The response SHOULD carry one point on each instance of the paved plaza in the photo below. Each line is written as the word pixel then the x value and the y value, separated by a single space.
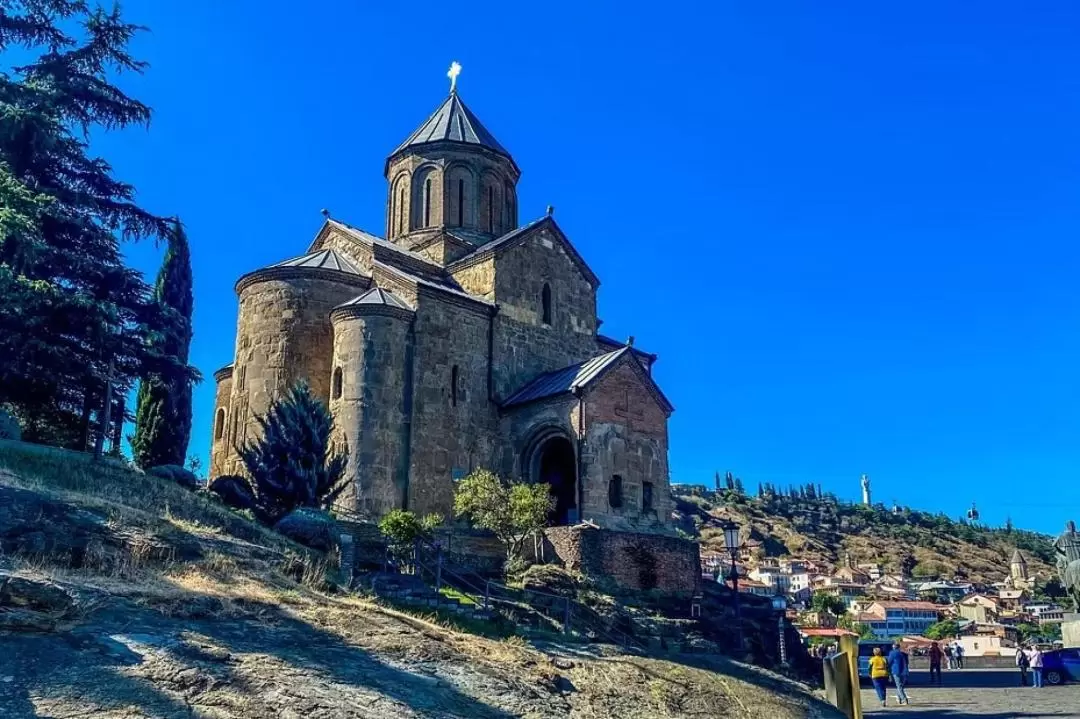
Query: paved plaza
pixel 977 693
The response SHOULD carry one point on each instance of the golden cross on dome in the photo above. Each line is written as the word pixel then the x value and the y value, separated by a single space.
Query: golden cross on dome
pixel 452 73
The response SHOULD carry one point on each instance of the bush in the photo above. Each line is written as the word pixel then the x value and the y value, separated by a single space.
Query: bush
pixel 234 491
pixel 176 473
pixel 402 528
pixel 310 527
pixel 9 426
pixel 512 512
pixel 291 463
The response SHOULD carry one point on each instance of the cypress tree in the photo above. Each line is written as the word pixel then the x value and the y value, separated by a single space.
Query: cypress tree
pixel 163 410
pixel 71 308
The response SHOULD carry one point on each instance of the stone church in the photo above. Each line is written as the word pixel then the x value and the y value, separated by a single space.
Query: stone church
pixel 461 339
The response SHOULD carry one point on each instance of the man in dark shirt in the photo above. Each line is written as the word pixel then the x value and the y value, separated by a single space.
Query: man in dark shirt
pixel 898 669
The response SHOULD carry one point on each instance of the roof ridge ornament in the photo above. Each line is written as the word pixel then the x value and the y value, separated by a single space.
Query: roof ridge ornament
pixel 452 73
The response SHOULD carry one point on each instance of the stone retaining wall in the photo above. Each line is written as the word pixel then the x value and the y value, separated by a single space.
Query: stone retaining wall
pixel 629 559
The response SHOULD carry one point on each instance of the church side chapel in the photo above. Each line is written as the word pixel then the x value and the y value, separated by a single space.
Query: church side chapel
pixel 463 339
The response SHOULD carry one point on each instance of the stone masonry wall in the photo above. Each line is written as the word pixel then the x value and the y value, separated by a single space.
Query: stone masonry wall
pixel 524 346
pixel 445 166
pixel 219 446
pixel 453 432
pixel 283 335
pixel 372 352
pixel 478 279
pixel 626 435
pixel 630 560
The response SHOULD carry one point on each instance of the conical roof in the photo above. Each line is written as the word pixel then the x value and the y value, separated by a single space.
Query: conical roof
pixel 453 122
pixel 324 260
pixel 377 296
pixel 1017 558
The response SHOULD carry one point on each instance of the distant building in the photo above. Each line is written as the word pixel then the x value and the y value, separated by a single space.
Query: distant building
pixel 752 586
pixel 978 608
pixel 1047 613
pixel 872 570
pixel 895 619
pixel 1011 598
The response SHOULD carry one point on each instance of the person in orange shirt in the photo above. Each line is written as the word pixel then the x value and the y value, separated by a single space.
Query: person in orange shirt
pixel 879 674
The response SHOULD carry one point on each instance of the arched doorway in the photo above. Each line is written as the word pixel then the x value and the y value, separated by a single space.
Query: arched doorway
pixel 555 464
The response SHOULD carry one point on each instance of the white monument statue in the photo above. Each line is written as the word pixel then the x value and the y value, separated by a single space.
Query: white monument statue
pixel 865 480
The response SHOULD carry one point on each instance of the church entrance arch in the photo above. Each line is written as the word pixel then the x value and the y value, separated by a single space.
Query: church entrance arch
pixel 553 461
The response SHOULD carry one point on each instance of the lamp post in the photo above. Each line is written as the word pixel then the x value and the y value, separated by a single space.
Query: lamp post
pixel 731 541
pixel 779 603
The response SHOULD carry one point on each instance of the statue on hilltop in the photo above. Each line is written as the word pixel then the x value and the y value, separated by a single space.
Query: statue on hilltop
pixel 1067 546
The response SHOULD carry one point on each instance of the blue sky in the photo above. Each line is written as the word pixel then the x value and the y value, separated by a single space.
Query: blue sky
pixel 849 231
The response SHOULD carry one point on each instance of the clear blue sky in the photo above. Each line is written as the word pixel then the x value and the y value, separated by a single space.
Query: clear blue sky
pixel 850 232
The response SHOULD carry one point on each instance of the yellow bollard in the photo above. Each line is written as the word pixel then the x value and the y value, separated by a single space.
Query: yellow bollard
pixel 850 646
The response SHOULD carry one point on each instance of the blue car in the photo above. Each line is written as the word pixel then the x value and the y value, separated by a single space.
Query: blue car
pixel 1061 665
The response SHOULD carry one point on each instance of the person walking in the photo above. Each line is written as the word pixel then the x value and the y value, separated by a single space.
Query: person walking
pixel 935 662
pixel 949 657
pixel 879 674
pixel 1035 659
pixel 958 652
pixel 898 668
pixel 1022 663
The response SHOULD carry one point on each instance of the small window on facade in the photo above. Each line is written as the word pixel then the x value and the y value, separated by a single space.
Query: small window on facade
pixel 646 497
pixel 427 202
pixel 615 491
pixel 460 202
pixel 491 208
pixel 545 301
pixel 402 228
pixel 453 385
pixel 219 425
pixel 335 391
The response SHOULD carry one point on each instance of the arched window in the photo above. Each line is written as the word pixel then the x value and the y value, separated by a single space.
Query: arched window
pixel 427 202
pixel 615 491
pixel 491 209
pixel 219 425
pixel 402 226
pixel 453 385
pixel 646 497
pixel 545 301
pixel 460 203
pixel 335 391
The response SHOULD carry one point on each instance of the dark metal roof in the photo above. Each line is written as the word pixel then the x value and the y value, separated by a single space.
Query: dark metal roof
pixel 453 122
pixel 377 296
pixel 565 380
pixel 324 259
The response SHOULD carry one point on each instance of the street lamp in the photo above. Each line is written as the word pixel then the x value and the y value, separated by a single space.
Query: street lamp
pixel 731 541
pixel 779 603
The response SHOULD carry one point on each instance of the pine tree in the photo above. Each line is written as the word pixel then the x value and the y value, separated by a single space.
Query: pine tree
pixel 291 463
pixel 163 412
pixel 72 309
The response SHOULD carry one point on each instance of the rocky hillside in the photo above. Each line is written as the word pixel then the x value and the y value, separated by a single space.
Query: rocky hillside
pixel 123 595
pixel 822 528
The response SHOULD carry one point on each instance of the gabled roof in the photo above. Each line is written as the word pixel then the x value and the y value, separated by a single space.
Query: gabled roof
pixel 516 237
pixel 322 260
pixel 452 121
pixel 569 380
pixel 377 296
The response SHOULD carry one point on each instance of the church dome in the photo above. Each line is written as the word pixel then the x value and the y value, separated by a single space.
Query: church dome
pixel 452 122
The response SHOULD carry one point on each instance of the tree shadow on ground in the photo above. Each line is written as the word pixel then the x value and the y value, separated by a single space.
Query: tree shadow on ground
pixel 134 657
